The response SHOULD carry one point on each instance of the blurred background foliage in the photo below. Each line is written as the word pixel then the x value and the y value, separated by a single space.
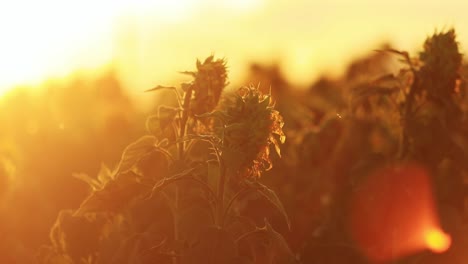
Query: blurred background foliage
pixel 48 134
pixel 334 138
pixel 337 131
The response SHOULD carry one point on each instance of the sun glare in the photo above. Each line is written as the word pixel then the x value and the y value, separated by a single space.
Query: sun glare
pixel 52 38
pixel 437 241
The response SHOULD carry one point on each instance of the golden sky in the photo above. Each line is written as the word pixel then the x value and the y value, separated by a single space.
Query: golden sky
pixel 149 41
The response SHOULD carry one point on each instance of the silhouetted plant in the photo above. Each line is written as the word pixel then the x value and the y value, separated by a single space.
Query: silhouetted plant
pixel 178 194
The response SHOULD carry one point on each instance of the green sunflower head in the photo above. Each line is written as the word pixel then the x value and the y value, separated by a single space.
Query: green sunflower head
pixel 441 63
pixel 251 127
pixel 210 80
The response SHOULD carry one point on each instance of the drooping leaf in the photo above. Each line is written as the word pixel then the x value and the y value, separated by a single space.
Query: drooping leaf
pixel 190 73
pixel 104 175
pixel 153 166
pixel 271 197
pixel 161 87
pixel 183 176
pixel 269 246
pixel 200 150
pixel 158 124
pixel 114 195
pixel 238 225
pixel 279 251
pixel 215 114
pixel 92 182
pixel 387 80
pixel 167 115
pixel 153 126
pixel 134 152
pixel 403 54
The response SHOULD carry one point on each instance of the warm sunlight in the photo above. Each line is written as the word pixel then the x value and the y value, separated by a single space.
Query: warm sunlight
pixel 233 131
pixel 437 240
pixel 161 10
pixel 52 38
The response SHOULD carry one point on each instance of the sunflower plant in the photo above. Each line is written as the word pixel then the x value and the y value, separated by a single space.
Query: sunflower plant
pixel 180 193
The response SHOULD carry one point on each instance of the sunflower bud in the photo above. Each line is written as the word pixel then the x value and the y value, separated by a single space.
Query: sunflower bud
pixel 210 80
pixel 252 126
pixel 441 64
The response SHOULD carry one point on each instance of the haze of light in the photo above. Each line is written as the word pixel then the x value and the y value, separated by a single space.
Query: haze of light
pixel 149 41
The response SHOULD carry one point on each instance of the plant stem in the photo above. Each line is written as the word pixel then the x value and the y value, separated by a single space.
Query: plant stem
pixel 183 128
pixel 221 188
pixel 176 217
pixel 183 121
pixel 407 115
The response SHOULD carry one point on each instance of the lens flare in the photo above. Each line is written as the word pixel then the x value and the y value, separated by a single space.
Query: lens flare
pixel 393 214
pixel 438 241
pixel 53 38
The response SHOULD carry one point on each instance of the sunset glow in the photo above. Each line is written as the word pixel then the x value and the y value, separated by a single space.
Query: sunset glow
pixel 233 131
pixel 51 38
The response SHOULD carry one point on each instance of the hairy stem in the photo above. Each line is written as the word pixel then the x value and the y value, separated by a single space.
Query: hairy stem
pixel 221 188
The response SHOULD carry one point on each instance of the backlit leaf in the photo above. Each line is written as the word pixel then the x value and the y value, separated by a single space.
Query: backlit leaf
pixel 271 197
pixel 114 195
pixel 134 152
